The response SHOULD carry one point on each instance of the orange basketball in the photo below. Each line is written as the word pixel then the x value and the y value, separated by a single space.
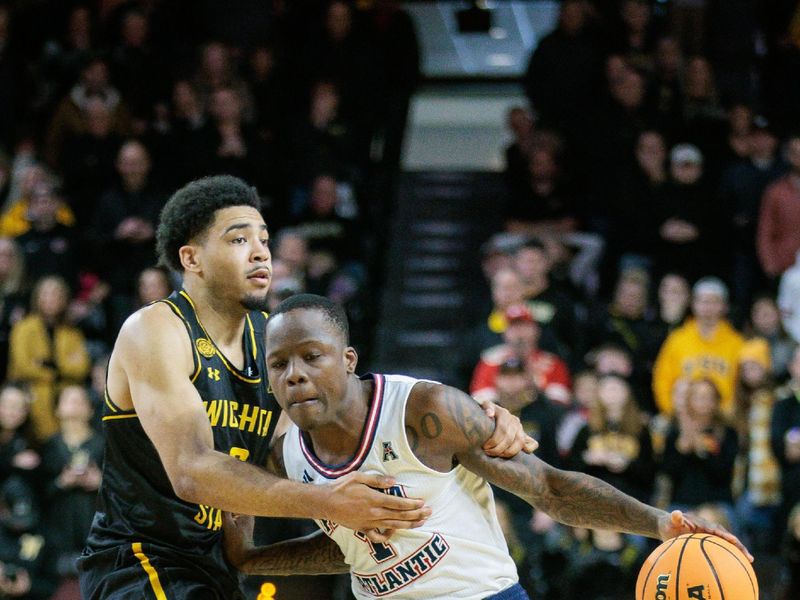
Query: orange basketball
pixel 696 566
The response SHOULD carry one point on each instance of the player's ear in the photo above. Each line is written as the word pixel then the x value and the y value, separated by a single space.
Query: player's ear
pixel 350 359
pixel 189 258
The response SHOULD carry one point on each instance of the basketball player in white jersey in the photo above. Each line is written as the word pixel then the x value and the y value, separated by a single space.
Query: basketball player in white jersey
pixel 428 437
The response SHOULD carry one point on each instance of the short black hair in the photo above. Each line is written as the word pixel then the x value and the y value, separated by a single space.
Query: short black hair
pixel 191 209
pixel 334 312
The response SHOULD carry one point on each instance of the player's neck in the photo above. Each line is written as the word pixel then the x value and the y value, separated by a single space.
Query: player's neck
pixel 223 322
pixel 338 441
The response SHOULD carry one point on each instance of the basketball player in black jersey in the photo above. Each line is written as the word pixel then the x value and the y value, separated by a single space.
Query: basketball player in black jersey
pixel 188 417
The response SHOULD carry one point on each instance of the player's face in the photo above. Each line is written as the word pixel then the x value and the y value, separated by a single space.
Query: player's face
pixel 234 258
pixel 308 366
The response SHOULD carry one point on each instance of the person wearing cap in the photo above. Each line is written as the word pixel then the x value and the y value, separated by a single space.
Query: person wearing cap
pixel 684 217
pixel 705 346
pixel 777 240
pixel 521 341
pixel 741 187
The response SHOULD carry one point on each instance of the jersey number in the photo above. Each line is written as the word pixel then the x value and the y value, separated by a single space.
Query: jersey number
pixel 208 515
pixel 382 552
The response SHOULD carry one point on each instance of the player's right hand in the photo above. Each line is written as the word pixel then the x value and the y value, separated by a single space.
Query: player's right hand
pixel 355 501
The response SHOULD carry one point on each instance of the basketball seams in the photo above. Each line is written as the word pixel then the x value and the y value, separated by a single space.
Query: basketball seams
pixel 678 566
pixel 713 568
pixel 655 562
pixel 744 567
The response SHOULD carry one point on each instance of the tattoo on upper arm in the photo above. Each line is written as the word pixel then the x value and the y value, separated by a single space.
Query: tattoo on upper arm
pixel 431 426
pixel 413 438
pixel 471 421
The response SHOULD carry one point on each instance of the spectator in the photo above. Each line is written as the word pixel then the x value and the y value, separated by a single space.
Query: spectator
pixel 521 338
pixel 136 69
pixel 47 353
pixel 687 241
pixel 760 489
pixel 777 239
pixel 789 299
pixel 68 119
pixel 49 247
pixel 520 123
pixel 124 225
pixel 741 189
pixel 216 72
pixel 635 40
pixel 71 460
pixel 153 284
pixel 16 220
pixel 553 310
pixel 17 453
pixel 615 444
pixel 584 397
pixel 13 298
pixel 673 305
pixel 706 346
pixel 765 322
pixel 701 450
pixel 564 69
pixel 785 437
pixel 665 95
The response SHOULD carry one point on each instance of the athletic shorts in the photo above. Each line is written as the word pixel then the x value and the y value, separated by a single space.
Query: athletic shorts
pixel 515 592
pixel 144 572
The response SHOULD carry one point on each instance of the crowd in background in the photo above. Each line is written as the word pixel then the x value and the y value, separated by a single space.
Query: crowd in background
pixel 644 291
pixel 645 294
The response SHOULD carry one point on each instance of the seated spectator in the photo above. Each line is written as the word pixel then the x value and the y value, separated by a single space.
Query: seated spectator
pixel 685 218
pixel 520 122
pixel 553 310
pixel 674 298
pixel 49 247
pixel 706 346
pixel 765 322
pixel 701 450
pixel 71 460
pixel 761 487
pixel 779 216
pixel 88 163
pixel 635 40
pixel 47 353
pixel 549 373
pixel 13 297
pixel 216 72
pixel 665 95
pixel 789 299
pixel 506 288
pixel 702 108
pixel 26 562
pixel 16 220
pixel 69 115
pixel 153 284
pixel 584 396
pixel 785 437
pixel 137 69
pixel 331 236
pixel 17 453
pixel 291 249
pixel 124 225
pixel 615 444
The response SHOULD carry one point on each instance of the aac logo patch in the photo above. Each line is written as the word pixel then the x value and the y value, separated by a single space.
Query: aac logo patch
pixel 205 347
pixel 388 452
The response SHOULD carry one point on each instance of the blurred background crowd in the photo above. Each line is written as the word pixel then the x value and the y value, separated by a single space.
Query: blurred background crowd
pixel 639 310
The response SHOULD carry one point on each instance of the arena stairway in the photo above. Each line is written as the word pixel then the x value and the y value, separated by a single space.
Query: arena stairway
pixel 433 275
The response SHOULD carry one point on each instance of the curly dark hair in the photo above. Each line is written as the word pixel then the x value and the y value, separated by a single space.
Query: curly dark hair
pixel 334 313
pixel 190 212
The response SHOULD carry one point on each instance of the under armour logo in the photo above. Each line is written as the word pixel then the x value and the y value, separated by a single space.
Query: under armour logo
pixel 249 371
pixel 388 453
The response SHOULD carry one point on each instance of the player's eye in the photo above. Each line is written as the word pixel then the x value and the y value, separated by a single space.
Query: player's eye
pixel 278 364
pixel 312 356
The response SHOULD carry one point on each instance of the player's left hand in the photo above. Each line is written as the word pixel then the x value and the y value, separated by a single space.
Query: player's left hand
pixel 509 438
pixel 677 523
pixel 237 536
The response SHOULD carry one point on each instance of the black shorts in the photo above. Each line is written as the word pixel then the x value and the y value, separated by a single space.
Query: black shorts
pixel 144 571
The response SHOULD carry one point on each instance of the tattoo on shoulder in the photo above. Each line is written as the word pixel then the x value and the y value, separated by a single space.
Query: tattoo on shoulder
pixel 413 438
pixel 430 425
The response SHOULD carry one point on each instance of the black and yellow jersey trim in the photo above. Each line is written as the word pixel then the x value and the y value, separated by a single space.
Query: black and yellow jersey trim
pixel 233 370
pixel 196 354
pixel 152 574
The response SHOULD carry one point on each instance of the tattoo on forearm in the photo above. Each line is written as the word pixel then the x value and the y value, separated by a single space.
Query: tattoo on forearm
pixel 316 554
pixel 431 426
pixel 573 498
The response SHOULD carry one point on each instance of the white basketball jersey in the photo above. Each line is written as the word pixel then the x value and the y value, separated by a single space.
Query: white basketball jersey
pixel 459 552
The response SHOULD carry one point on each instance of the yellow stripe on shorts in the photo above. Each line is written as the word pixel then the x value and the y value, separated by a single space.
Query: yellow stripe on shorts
pixel 151 572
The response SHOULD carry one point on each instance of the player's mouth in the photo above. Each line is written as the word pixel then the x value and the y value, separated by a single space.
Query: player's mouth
pixel 260 275
pixel 303 402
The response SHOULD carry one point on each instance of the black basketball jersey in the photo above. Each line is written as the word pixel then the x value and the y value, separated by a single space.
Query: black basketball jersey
pixel 136 500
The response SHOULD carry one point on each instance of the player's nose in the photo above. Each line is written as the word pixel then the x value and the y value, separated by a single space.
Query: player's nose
pixel 294 373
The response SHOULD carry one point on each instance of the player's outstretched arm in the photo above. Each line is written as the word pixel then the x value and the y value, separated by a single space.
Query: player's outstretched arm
pixel 314 554
pixel 572 498
pixel 154 357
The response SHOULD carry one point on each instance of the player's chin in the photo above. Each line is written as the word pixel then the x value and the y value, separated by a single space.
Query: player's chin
pixel 256 300
pixel 307 415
